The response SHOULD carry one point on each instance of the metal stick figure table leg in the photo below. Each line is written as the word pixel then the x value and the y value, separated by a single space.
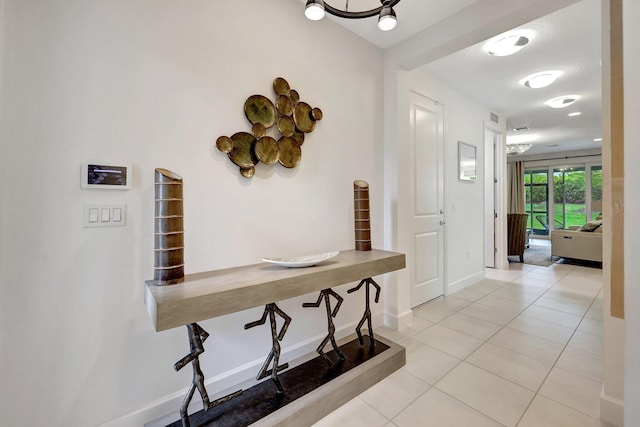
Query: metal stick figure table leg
pixel 326 293
pixel 197 337
pixel 274 355
pixel 367 311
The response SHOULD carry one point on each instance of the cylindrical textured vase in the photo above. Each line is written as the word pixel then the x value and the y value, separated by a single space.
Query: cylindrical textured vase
pixel 362 218
pixel 168 229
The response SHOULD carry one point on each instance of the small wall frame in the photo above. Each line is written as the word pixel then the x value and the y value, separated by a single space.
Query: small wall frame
pixel 467 162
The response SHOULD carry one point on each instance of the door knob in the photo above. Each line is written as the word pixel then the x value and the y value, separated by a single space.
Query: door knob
pixel 441 222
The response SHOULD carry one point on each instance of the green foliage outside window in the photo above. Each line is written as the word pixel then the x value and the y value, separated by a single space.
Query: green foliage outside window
pixel 569 194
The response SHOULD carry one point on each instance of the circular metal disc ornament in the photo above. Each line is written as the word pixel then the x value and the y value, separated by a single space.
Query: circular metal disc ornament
pixel 260 109
pixel 258 130
pixel 298 136
pixel 295 96
pixel 248 172
pixel 302 117
pixel 286 126
pixel 267 150
pixel 224 144
pixel 242 153
pixel 290 152
pixel 284 105
pixel 316 114
pixel 281 86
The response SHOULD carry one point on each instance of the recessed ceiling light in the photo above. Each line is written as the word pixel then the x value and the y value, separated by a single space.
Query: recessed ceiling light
pixel 541 79
pixel 577 113
pixel 562 101
pixel 508 45
pixel 521 129
pixel 552 145
pixel 597 139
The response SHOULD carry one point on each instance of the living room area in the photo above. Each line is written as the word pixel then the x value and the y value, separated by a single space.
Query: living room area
pixel 559 200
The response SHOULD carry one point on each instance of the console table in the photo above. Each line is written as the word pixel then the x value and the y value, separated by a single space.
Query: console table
pixel 216 293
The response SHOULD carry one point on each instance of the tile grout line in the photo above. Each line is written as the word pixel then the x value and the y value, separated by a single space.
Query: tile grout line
pixel 555 363
pixel 485 341
pixel 566 344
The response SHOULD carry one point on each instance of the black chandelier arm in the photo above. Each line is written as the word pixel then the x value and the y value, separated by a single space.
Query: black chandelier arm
pixel 356 15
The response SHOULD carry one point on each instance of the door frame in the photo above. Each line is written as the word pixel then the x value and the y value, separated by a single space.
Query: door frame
pixel 490 190
pixel 500 194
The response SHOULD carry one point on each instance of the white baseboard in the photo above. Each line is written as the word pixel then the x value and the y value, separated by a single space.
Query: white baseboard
pixel 166 409
pixel 467 281
pixel 611 410
pixel 400 321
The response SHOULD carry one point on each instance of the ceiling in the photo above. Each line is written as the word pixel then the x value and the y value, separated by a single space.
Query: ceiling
pixel 567 40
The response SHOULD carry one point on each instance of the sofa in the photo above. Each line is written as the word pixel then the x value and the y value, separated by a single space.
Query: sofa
pixel 583 243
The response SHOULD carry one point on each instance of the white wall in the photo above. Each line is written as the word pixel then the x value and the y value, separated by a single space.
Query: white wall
pixel 464 230
pixel 631 10
pixel 482 20
pixel 464 213
pixel 154 83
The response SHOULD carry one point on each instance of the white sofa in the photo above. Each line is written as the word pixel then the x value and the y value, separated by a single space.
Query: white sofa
pixel 577 244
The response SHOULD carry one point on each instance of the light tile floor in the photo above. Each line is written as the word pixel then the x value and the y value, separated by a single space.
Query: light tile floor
pixel 521 348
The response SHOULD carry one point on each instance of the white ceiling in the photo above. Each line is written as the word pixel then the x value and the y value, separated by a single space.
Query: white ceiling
pixel 413 17
pixel 567 40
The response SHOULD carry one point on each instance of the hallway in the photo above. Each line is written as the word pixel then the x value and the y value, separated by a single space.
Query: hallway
pixel 521 348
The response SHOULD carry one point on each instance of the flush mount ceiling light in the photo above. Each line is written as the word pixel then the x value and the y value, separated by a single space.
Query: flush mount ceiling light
pixel 315 10
pixel 508 45
pixel 562 101
pixel 541 79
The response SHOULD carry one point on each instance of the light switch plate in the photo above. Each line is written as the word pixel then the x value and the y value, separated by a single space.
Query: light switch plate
pixel 104 215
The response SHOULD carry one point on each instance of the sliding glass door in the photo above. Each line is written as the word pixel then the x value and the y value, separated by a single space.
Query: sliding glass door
pixel 559 197
pixel 596 191
pixel 536 185
pixel 570 197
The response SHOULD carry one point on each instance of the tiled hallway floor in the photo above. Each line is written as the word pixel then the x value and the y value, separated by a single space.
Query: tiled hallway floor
pixel 521 348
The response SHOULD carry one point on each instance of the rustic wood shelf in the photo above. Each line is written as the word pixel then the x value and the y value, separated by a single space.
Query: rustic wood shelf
pixel 217 293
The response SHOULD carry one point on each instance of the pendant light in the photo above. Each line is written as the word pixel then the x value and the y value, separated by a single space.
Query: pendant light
pixel 387 20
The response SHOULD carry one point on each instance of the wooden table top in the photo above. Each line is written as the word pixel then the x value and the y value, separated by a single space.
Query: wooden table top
pixel 216 293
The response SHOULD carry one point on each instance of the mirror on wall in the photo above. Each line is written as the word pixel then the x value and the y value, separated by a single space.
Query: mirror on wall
pixel 466 162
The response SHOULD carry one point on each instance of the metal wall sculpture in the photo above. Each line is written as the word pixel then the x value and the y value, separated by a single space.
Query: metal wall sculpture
pixel 291 117
pixel 168 229
pixel 362 217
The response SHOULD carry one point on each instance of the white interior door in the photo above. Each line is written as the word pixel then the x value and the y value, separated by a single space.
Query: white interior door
pixel 427 214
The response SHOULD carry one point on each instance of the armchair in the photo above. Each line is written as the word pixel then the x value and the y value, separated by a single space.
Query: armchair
pixel 516 234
